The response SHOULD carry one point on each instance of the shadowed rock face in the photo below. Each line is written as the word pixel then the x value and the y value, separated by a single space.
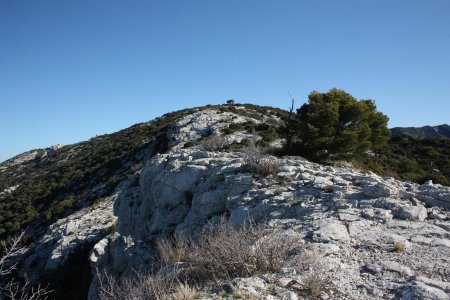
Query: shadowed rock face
pixel 441 131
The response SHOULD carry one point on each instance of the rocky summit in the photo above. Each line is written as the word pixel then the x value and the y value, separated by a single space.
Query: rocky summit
pixel 369 237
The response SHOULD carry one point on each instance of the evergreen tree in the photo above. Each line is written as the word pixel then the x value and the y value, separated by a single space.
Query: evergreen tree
pixel 336 125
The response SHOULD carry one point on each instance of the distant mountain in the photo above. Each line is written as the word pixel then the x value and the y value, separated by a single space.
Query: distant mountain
pixel 440 131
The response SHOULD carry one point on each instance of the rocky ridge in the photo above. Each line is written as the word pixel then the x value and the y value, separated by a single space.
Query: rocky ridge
pixel 376 238
pixel 88 222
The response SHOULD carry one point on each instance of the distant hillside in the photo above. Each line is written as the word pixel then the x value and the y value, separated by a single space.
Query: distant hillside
pixel 441 131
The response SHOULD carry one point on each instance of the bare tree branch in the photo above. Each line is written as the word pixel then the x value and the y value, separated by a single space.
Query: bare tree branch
pixel 10 287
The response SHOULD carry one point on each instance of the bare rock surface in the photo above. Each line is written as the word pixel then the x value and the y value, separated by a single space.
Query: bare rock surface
pixel 204 123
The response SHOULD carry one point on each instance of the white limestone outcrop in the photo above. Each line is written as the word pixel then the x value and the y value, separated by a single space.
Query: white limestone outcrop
pixel 376 238
pixel 354 220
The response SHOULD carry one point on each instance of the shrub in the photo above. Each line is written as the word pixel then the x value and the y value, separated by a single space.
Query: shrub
pixel 173 250
pixel 234 127
pixel 223 251
pixel 399 247
pixel 315 283
pixel 214 143
pixel 336 124
pixel 138 286
pixel 258 163
pixel 220 251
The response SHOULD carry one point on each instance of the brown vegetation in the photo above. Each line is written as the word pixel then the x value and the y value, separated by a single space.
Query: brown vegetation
pixel 220 251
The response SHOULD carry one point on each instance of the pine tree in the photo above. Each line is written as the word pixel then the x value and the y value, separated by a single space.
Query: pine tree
pixel 336 125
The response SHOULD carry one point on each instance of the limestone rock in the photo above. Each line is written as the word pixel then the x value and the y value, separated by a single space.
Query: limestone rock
pixel 380 190
pixel 329 231
pixel 413 213
pixel 289 295
pixel 421 291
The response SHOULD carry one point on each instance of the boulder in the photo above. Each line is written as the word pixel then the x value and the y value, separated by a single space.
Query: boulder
pixel 412 213
pixel 331 231
pixel 380 190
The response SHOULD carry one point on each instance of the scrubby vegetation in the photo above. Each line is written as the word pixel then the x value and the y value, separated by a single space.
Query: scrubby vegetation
pixel 52 186
pixel 410 159
pixel 257 162
pixel 220 252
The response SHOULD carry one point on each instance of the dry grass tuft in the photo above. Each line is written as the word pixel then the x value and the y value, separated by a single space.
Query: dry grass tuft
pixel 159 286
pixel 315 283
pixel 399 247
pixel 258 163
pixel 173 250
pixel 226 252
pixel 184 292
pixel 243 294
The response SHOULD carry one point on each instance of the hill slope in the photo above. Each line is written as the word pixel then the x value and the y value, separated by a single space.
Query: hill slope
pixel 411 159
pixel 64 195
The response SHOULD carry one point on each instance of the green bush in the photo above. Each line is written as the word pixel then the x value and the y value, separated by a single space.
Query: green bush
pixel 336 125
pixel 411 159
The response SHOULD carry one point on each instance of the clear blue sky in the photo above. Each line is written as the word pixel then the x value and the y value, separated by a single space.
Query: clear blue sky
pixel 70 70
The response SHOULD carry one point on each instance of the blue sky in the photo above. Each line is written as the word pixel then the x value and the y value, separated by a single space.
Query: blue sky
pixel 70 70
